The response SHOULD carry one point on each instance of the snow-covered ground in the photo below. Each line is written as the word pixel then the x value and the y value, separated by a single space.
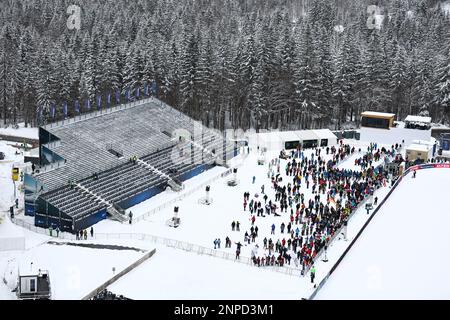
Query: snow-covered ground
pixel 31 133
pixel 403 253
pixel 74 271
pixel 177 274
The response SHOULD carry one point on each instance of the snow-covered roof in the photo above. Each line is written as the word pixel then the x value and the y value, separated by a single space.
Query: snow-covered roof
pixel 425 142
pixel 288 136
pixel 325 134
pixel 377 114
pixel 418 119
pixel 419 147
pixel 306 135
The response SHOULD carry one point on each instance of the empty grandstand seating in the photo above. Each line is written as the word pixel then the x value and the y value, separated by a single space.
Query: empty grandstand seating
pixel 103 178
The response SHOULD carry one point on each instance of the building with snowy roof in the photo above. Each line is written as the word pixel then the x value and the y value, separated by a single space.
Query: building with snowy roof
pixel 381 127
pixel 108 160
pixel 420 151
pixel 288 140
pixel 380 120
pixel 418 122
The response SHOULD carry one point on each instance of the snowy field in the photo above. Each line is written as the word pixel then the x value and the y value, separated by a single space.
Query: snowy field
pixel 174 273
pixel 403 253
pixel 74 271
pixel 31 133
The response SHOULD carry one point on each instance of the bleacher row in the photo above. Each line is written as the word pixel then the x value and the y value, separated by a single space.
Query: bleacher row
pixel 144 131
pixel 122 182
pixel 74 202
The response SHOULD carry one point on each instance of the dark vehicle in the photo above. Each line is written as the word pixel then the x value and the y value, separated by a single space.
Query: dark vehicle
pixel 2 156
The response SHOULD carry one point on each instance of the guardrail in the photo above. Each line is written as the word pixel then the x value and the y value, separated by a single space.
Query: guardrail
pixel 171 243
pixel 407 171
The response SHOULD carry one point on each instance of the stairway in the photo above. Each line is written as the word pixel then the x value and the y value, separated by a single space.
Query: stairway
pixel 113 212
pixel 175 185
pixel 116 215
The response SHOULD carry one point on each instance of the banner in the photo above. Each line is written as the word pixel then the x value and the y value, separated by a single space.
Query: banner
pixel 99 102
pixel 65 109
pixel 53 110
pixel 77 106
pixel 118 96
pixel 108 100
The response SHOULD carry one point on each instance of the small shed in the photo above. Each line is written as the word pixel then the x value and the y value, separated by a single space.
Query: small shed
pixel 34 286
pixel 418 122
pixel 419 152
pixel 380 120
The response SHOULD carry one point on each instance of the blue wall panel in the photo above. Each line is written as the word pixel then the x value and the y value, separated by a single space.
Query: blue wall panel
pixel 90 220
pixel 147 194
pixel 196 171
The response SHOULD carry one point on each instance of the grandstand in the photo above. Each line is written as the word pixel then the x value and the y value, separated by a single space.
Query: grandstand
pixel 107 161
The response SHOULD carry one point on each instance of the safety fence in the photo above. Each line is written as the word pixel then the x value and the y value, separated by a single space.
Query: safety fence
pixel 171 243
pixel 397 182
pixel 190 247
pixel 26 225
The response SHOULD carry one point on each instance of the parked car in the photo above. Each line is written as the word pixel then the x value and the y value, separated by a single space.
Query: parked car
pixel 2 156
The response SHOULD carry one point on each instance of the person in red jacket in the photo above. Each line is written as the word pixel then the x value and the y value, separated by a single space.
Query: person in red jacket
pixel 253 220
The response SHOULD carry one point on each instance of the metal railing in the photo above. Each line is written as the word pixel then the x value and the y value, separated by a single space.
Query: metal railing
pixel 171 243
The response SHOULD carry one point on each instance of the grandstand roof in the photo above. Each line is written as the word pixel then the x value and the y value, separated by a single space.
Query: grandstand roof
pixel 135 129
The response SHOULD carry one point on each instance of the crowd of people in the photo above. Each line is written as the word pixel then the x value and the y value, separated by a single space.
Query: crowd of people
pixel 309 223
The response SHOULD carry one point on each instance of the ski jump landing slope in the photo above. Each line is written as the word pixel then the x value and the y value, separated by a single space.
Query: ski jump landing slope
pixel 404 253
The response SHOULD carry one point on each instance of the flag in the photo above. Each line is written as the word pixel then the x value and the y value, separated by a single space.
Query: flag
pixel 138 91
pixel 108 100
pixel 77 106
pixel 39 112
pixel 65 109
pixel 99 102
pixel 127 94
pixel 52 110
pixel 88 104
pixel 146 89
pixel 154 88
pixel 118 96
